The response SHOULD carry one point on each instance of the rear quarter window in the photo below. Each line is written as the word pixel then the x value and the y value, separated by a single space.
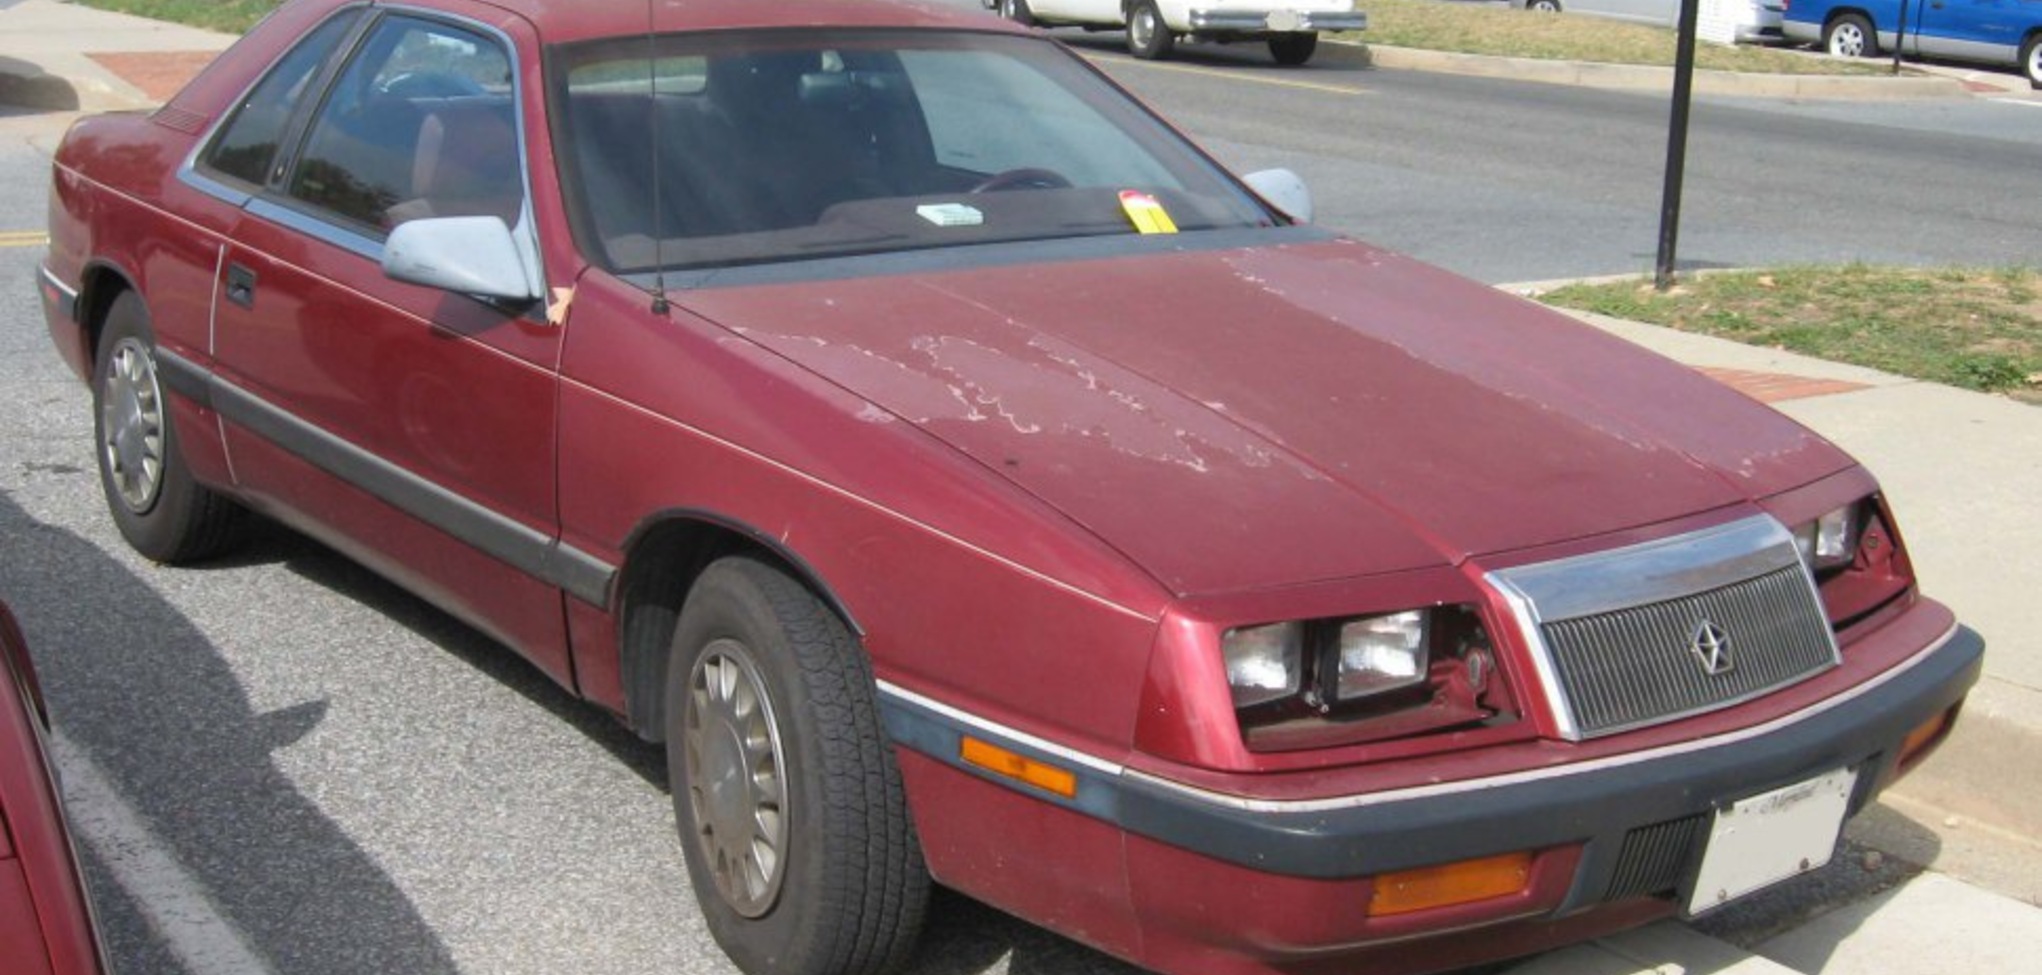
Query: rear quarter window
pixel 247 146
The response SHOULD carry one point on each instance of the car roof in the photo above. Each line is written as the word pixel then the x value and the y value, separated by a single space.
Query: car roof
pixel 566 21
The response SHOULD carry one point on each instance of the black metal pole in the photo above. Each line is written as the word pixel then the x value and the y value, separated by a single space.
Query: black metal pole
pixel 1899 36
pixel 1676 143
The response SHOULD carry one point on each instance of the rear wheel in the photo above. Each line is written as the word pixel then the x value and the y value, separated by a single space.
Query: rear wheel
pixel 1544 6
pixel 2031 60
pixel 789 804
pixel 1018 12
pixel 1850 36
pixel 1293 49
pixel 1148 37
pixel 159 509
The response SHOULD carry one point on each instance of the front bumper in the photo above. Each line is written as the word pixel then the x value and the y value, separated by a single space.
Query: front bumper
pixel 1225 882
pixel 1231 21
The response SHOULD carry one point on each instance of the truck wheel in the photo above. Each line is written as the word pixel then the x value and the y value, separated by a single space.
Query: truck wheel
pixel 1293 49
pixel 159 509
pixel 789 804
pixel 1543 6
pixel 1148 37
pixel 1850 36
pixel 2031 60
pixel 1018 12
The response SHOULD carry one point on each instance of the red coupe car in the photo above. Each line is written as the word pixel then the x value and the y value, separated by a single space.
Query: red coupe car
pixel 970 481
pixel 46 925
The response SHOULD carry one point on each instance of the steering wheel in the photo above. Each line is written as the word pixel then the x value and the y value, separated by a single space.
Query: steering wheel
pixel 1026 178
pixel 428 84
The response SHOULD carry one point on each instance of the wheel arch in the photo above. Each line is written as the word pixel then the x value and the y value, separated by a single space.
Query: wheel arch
pixel 101 283
pixel 1840 12
pixel 663 560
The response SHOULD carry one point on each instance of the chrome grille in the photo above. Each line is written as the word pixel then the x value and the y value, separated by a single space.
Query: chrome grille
pixel 1636 636
pixel 1633 666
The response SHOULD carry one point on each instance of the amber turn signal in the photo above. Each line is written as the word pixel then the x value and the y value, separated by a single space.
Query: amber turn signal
pixel 1449 884
pixel 1007 764
pixel 1917 742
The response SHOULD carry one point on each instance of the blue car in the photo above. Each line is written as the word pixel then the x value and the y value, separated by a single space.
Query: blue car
pixel 1988 31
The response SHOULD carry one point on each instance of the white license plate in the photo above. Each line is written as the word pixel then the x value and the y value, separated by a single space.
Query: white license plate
pixel 1767 838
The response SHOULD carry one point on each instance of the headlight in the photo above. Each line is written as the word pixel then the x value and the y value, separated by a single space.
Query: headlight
pixel 1319 682
pixel 1265 663
pixel 1831 541
pixel 1380 653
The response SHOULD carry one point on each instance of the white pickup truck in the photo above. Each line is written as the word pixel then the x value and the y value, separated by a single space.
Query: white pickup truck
pixel 1291 27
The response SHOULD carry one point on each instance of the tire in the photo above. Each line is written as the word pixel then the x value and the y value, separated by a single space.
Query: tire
pixel 1295 49
pixel 1148 37
pixel 1543 6
pixel 1850 36
pixel 159 509
pixel 2031 60
pixel 1018 12
pixel 774 744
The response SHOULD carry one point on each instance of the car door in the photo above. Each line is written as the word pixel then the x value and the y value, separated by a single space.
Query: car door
pixel 1974 30
pixel 410 427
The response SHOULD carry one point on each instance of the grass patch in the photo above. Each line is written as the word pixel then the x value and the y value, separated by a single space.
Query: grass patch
pixel 1470 29
pixel 1976 328
pixel 231 16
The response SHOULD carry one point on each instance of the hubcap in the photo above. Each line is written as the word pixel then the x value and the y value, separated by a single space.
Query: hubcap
pixel 131 425
pixel 1847 42
pixel 735 778
pixel 1144 27
pixel 2035 63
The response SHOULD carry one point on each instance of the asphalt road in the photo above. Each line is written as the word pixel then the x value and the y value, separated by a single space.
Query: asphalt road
pixel 1523 182
pixel 284 764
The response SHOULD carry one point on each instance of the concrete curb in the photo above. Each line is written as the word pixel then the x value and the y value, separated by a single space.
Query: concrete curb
pixel 1630 77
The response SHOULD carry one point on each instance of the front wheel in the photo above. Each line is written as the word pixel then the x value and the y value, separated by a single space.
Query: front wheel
pixel 1850 36
pixel 1543 6
pixel 1148 37
pixel 789 804
pixel 162 512
pixel 1293 49
pixel 2031 60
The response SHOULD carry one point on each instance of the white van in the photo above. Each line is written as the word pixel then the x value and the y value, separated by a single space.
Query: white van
pixel 1291 27
pixel 1750 20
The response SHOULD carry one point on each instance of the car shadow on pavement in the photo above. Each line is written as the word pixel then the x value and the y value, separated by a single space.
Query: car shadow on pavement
pixel 24 85
pixel 962 936
pixel 138 692
pixel 269 543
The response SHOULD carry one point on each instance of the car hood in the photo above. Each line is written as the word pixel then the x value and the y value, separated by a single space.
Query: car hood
pixel 1247 418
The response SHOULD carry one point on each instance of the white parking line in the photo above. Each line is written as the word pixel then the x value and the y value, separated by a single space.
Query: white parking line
pixel 175 903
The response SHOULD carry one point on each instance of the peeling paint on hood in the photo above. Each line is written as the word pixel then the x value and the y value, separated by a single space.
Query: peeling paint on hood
pixel 1267 416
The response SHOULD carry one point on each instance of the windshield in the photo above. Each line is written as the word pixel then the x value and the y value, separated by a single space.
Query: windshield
pixel 730 148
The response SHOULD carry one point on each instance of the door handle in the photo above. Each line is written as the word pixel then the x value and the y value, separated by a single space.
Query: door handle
pixel 241 286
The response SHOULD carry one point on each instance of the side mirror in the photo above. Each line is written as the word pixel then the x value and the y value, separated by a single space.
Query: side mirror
pixel 1283 190
pixel 466 255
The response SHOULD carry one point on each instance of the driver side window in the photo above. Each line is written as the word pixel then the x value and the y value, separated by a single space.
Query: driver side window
pixel 420 124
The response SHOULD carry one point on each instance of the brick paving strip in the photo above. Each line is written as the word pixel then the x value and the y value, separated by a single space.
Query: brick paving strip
pixel 1773 387
pixel 158 74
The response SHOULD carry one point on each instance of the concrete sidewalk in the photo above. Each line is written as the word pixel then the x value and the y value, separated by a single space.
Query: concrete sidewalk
pixel 64 57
